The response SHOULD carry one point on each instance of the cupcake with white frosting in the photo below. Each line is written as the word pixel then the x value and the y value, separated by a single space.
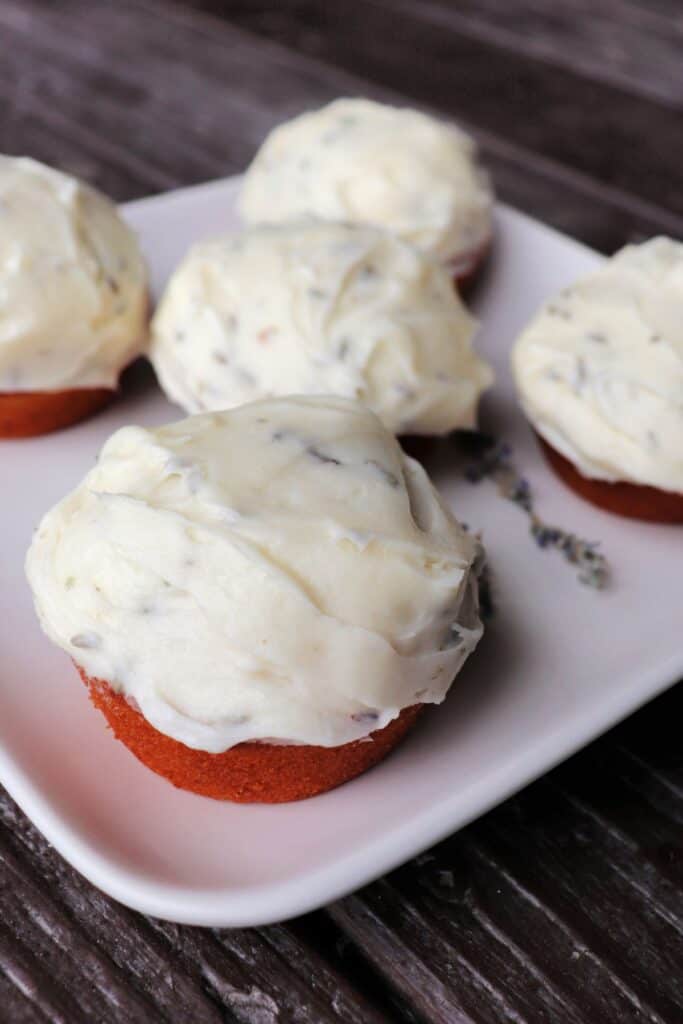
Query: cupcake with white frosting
pixel 599 372
pixel 259 600
pixel 364 162
pixel 74 298
pixel 320 308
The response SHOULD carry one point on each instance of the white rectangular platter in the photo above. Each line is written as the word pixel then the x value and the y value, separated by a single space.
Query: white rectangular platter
pixel 559 664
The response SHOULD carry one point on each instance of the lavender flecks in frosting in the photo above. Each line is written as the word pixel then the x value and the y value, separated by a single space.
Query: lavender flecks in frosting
pixel 385 473
pixel 321 456
pixel 365 162
pixel 80 268
pixel 602 367
pixel 88 640
pixel 221 607
pixel 365 717
pixel 350 311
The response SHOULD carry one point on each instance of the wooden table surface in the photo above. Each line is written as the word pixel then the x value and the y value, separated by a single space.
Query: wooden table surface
pixel 566 903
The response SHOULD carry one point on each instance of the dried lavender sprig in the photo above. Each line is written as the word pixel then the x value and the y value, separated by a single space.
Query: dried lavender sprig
pixel 495 463
pixel 492 459
pixel 592 566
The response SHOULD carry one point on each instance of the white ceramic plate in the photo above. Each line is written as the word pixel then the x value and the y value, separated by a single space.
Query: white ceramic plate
pixel 559 664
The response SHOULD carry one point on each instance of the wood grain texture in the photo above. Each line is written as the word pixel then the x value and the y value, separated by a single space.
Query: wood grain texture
pixel 607 41
pixel 565 904
pixel 124 967
pixel 72 93
pixel 622 138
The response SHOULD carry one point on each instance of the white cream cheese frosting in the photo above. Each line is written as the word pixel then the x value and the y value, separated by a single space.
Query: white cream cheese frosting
pixel 599 370
pixel 319 309
pixel 279 571
pixel 73 283
pixel 360 161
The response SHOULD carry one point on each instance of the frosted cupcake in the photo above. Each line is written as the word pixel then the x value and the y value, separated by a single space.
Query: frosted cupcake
pixel 262 600
pixel 599 371
pixel 319 309
pixel 364 162
pixel 74 298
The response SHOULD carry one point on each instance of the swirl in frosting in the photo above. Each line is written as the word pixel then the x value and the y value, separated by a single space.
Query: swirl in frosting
pixel 319 309
pixel 280 571
pixel 365 162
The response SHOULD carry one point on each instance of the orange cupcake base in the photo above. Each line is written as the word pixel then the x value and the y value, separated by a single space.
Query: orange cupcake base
pixel 29 413
pixel 250 772
pixel 634 501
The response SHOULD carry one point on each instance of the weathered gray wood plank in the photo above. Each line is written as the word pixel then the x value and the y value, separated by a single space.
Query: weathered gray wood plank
pixel 83 64
pixel 604 41
pixel 475 895
pixel 417 971
pixel 268 971
pixel 127 968
pixel 668 11
pixel 622 139
pixel 102 951
pixel 48 999
pixel 15 1006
